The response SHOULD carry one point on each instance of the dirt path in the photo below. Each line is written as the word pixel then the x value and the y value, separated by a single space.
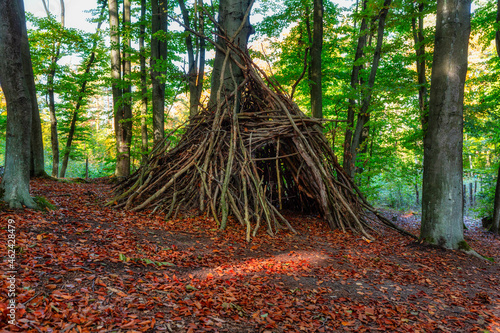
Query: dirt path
pixel 89 268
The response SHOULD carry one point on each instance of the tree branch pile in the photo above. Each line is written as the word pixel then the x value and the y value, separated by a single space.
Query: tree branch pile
pixel 249 158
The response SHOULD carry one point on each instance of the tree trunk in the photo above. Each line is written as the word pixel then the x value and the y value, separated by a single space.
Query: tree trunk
pixel 316 47
pixel 234 23
pixel 13 38
pixel 54 140
pixel 201 52
pixel 364 113
pixel 158 66
pixel 191 74
pixel 348 163
pixel 418 39
pixel 37 167
pixel 144 86
pixel 442 205
pixel 122 154
pixel 195 68
pixel 127 95
pixel 81 94
pixel 495 227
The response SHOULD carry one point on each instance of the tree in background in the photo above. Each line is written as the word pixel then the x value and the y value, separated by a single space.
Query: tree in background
pixel 143 84
pixel 442 202
pixel 360 132
pixel 122 114
pixel 56 51
pixel 495 225
pixel 316 68
pixel 83 81
pixel 159 65
pixel 16 88
pixel 196 58
pixel 419 41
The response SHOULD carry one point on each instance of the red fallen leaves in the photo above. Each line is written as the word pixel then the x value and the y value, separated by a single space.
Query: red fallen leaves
pixel 87 268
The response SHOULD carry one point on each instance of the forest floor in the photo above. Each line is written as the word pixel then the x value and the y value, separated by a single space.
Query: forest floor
pixel 89 268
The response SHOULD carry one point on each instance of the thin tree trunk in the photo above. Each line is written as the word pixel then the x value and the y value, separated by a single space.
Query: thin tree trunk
pixel 13 68
pixel 144 86
pixel 158 58
pixel 348 163
pixel 418 39
pixel 192 68
pixel 442 205
pixel 81 94
pixel 316 47
pixel 50 91
pixel 201 52
pixel 122 155
pixel 364 113
pixel 495 227
pixel 126 124
pixel 196 63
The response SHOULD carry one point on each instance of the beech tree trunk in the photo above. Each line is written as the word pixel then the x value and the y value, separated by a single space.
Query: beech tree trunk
pixel 418 39
pixel 235 24
pixel 122 150
pixel 54 140
pixel 364 113
pixel 348 162
pixel 316 48
pixel 360 133
pixel 144 85
pixel 13 68
pixel 495 227
pixel 36 154
pixel 201 52
pixel 126 124
pixel 442 205
pixel 195 72
pixel 158 66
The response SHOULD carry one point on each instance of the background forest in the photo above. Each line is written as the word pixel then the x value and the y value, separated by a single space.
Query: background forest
pixel 73 76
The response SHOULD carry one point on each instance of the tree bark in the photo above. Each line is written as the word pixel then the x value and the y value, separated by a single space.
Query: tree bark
pixel 495 227
pixel 13 37
pixel 144 85
pixel 316 48
pixel 193 74
pixel 360 133
pixel 122 150
pixel 81 95
pixel 233 15
pixel 126 131
pixel 418 38
pixel 442 205
pixel 348 162
pixel 54 140
pixel 37 167
pixel 158 67
pixel 364 113
pixel 201 51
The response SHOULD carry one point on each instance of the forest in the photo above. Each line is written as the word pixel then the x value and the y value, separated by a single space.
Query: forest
pixel 250 166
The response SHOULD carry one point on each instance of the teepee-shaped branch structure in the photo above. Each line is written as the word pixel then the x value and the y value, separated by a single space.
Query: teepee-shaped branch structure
pixel 249 157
